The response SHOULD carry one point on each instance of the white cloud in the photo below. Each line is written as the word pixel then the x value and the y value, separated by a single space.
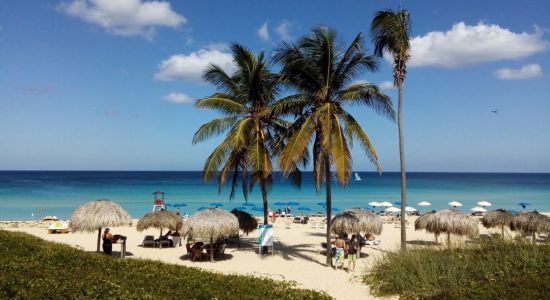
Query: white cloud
pixel 190 67
pixel 283 30
pixel 125 17
pixel 464 45
pixel 386 85
pixel 525 72
pixel 263 32
pixel 178 98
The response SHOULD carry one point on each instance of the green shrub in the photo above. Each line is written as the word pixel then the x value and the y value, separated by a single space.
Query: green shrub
pixel 31 268
pixel 492 269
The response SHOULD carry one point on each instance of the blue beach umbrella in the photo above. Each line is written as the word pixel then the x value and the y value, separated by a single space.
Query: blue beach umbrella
pixel 303 208
pixel 248 204
pixel 323 204
pixel 335 209
pixel 176 205
pixel 524 204
pixel 258 208
pixel 280 203
pixel 292 203
pixel 398 203
pixel 201 208
pixel 241 208
pixel 216 204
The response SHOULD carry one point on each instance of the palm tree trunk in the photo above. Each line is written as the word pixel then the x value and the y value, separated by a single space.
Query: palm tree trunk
pixel 402 159
pixel 264 199
pixel 328 179
pixel 98 238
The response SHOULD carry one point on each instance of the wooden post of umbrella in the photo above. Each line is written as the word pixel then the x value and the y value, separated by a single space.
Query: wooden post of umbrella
pixel 160 239
pixel 211 249
pixel 534 237
pixel 449 240
pixel 98 238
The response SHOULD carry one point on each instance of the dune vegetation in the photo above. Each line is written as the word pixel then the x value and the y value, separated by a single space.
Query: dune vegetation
pixel 491 269
pixel 31 268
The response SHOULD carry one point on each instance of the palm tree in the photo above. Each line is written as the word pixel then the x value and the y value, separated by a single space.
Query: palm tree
pixel 252 129
pixel 321 71
pixel 390 31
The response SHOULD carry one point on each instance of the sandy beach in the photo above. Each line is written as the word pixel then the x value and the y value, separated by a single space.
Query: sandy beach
pixel 297 254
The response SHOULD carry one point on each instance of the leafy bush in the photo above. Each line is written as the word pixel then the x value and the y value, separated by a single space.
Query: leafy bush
pixel 31 268
pixel 492 269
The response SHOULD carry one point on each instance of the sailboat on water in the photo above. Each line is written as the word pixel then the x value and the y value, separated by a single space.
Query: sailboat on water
pixel 357 177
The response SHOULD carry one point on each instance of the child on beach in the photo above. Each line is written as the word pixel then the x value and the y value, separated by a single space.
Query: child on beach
pixel 353 252
pixel 340 247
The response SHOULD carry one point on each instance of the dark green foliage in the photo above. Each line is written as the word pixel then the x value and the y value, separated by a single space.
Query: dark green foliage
pixel 31 268
pixel 494 269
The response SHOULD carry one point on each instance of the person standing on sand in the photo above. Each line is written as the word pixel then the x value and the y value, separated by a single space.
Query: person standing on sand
pixel 178 211
pixel 353 252
pixel 340 246
pixel 107 242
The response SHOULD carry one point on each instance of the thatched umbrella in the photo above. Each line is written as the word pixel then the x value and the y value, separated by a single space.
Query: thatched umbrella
pixel 160 219
pixel 356 220
pixel 369 221
pixel 98 214
pixel 212 222
pixel 497 218
pixel 247 223
pixel 451 222
pixel 531 223
pixel 422 221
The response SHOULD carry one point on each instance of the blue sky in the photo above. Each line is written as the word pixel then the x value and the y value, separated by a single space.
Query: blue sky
pixel 106 85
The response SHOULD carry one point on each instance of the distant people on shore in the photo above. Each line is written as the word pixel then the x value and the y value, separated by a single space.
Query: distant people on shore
pixel 178 212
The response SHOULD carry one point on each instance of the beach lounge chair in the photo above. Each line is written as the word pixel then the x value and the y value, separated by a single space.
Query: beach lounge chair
pixel 288 225
pixel 148 241
pixel 297 220
pixel 323 226
pixel 314 224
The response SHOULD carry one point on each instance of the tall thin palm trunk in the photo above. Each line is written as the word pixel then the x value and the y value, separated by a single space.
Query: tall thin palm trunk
pixel 263 187
pixel 329 209
pixel 402 160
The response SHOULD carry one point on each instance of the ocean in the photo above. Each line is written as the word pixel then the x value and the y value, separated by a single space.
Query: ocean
pixel 24 193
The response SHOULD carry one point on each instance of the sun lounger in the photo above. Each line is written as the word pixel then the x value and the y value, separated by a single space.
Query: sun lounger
pixel 148 241
pixel 314 224
pixel 323 226
pixel 288 225
pixel 297 220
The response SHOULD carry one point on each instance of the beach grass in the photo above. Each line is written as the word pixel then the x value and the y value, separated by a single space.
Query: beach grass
pixel 31 268
pixel 490 269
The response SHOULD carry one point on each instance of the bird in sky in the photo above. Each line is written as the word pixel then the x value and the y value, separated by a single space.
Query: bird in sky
pixel 495 111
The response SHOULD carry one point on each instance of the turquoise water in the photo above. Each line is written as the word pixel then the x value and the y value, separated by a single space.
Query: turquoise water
pixel 59 193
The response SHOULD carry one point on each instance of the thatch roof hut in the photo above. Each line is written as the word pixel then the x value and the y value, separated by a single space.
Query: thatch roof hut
pixel 212 223
pixel 498 218
pixel 451 222
pixel 247 222
pixel 95 215
pixel 356 220
pixel 160 219
pixel 531 223
pixel 422 221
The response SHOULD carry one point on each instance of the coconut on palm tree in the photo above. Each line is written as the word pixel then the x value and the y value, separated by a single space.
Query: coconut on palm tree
pixel 245 98
pixel 390 32
pixel 321 72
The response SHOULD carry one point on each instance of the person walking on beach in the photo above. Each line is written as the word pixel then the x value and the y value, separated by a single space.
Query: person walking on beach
pixel 340 247
pixel 353 252
pixel 107 242
pixel 178 211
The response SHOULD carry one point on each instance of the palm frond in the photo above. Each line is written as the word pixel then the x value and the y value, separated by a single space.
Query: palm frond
pixel 354 129
pixel 213 128
pixel 365 93
pixel 223 103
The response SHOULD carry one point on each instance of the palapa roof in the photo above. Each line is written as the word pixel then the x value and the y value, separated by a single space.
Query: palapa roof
pixel 422 221
pixel 356 220
pixel 247 222
pixel 211 222
pixel 98 214
pixel 451 221
pixel 497 218
pixel 162 219
pixel 531 222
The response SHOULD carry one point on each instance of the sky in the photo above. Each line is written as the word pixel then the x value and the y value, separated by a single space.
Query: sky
pixel 110 85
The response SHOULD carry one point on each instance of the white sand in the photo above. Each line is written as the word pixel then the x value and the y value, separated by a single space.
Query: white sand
pixel 297 254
